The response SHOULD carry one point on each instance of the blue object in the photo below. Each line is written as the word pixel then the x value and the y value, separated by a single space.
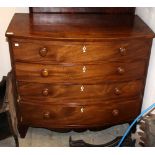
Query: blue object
pixel 136 120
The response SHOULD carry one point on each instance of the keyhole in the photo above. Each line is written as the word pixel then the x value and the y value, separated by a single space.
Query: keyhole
pixel 84 69
pixel 84 49
pixel 82 88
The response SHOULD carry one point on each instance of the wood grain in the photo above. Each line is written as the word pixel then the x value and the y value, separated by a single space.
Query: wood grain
pixel 80 74
pixel 60 84
pixel 81 27
pixel 104 10
pixel 79 52
pixel 64 116
pixel 79 94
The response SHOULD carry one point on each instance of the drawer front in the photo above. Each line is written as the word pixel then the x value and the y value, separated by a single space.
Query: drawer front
pixel 73 52
pixel 92 115
pixel 62 94
pixel 83 74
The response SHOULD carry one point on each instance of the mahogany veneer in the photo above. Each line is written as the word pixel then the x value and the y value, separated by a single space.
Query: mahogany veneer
pixel 105 10
pixel 56 93
pixel 52 52
pixel 78 68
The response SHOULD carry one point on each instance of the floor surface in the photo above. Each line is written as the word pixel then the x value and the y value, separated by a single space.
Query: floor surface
pixel 38 137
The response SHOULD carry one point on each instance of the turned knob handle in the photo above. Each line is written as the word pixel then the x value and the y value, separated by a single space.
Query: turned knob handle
pixel 45 92
pixel 122 51
pixel 117 91
pixel 115 112
pixel 44 72
pixel 120 70
pixel 43 52
pixel 46 115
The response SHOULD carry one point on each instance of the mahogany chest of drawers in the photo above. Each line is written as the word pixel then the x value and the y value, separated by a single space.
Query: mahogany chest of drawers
pixel 78 70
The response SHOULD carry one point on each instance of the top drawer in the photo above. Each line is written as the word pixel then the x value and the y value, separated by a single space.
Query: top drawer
pixel 53 52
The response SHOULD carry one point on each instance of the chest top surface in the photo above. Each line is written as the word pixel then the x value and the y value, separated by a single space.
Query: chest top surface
pixel 77 26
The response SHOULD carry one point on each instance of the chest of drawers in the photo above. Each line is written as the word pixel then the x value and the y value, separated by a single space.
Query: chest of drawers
pixel 78 71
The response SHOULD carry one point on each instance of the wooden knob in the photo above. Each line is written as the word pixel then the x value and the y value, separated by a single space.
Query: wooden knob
pixel 45 92
pixel 120 70
pixel 115 112
pixel 122 51
pixel 117 91
pixel 47 115
pixel 44 72
pixel 43 52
